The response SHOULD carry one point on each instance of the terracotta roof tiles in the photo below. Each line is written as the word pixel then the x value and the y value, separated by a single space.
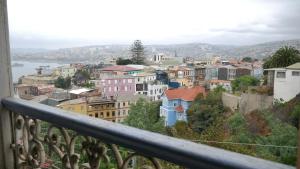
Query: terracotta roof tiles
pixel 179 109
pixel 187 94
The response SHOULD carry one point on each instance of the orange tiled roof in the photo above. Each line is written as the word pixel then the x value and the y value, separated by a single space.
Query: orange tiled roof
pixel 179 109
pixel 187 94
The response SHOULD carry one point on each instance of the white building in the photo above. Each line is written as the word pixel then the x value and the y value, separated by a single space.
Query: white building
pixel 226 84
pixel 155 91
pixel 158 58
pixel 285 82
pixel 66 71
pixel 141 82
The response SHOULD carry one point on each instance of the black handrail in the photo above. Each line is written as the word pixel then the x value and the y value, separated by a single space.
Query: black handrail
pixel 178 151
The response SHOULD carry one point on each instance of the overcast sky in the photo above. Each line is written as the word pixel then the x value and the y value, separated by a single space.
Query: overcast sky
pixel 68 23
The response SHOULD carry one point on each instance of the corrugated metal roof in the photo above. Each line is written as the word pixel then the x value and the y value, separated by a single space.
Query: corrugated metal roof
pixel 294 66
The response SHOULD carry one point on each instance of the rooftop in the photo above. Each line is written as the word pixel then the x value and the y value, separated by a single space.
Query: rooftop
pixel 294 66
pixel 144 74
pixel 117 77
pixel 74 101
pixel 179 109
pixel 130 97
pixel 79 91
pixel 279 68
pixel 99 100
pixel 187 94
pixel 119 68
pixel 40 77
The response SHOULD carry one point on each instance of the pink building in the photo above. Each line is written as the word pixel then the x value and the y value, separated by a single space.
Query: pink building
pixel 116 85
pixel 118 70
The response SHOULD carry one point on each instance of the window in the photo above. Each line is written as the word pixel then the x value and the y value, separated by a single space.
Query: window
pixel 280 75
pixel 123 103
pixel 107 114
pixel 101 114
pixel 96 115
pixel 295 73
pixel 119 113
pixel 113 113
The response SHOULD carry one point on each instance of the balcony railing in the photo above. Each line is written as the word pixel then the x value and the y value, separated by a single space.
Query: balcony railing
pixel 103 144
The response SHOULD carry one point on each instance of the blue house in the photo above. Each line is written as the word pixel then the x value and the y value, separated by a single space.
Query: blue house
pixel 176 102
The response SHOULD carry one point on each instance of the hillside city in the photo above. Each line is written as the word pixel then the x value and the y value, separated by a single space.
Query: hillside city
pixel 139 84
pixel 239 104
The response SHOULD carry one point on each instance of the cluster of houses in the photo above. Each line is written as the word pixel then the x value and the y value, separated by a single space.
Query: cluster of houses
pixel 116 87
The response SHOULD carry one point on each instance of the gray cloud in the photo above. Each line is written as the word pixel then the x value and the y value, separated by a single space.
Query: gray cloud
pixel 283 24
pixel 285 21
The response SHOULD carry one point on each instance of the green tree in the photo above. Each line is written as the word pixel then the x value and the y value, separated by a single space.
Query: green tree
pixel 242 83
pixel 247 59
pixel 137 52
pixel 121 61
pixel 296 114
pixel 204 111
pixel 64 83
pixel 81 78
pixel 283 57
pixel 145 115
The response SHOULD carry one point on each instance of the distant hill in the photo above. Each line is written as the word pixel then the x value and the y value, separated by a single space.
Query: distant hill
pixel 199 50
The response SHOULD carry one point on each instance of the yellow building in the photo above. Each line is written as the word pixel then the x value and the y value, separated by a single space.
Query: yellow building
pixel 101 108
pixel 76 105
pixel 188 82
pixel 93 106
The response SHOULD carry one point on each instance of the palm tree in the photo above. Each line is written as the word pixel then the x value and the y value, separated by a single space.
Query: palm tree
pixel 283 57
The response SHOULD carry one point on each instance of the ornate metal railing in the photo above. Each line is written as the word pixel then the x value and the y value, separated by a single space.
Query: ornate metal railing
pixel 47 137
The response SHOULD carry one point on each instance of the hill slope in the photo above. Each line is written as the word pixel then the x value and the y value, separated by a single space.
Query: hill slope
pixel 201 50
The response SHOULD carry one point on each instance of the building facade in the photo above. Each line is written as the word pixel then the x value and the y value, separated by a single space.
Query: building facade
pixel 115 85
pixel 226 84
pixel 175 103
pixel 101 108
pixel 155 91
pixel 285 82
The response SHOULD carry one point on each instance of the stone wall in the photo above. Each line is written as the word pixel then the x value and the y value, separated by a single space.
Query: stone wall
pixel 247 102
pixel 231 101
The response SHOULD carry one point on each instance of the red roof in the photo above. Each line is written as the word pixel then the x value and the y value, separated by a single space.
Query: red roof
pixel 179 109
pixel 187 94
pixel 119 68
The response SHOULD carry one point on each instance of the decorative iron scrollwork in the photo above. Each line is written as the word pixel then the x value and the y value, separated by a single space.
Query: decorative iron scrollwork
pixel 35 152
